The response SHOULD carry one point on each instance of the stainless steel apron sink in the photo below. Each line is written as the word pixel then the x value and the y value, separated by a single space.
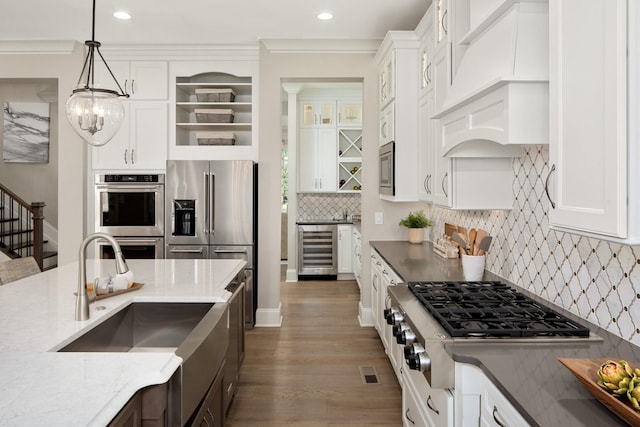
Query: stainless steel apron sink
pixel 197 332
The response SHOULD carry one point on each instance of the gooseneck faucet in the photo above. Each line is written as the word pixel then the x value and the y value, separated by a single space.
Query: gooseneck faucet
pixel 82 298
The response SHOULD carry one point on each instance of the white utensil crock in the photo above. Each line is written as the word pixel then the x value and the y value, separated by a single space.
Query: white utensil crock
pixel 473 267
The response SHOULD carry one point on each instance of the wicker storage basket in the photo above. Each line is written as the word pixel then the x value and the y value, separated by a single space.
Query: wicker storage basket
pixel 216 138
pixel 215 95
pixel 214 115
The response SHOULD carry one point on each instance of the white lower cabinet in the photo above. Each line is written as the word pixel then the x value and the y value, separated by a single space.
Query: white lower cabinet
pixel 356 245
pixel 345 261
pixel 382 276
pixel 478 402
pixel 423 405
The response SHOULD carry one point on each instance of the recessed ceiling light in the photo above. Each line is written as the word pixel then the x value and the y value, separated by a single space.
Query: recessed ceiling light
pixel 325 16
pixel 122 15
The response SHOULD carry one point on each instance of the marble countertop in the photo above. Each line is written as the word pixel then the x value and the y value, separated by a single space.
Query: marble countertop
pixel 37 317
pixel 529 375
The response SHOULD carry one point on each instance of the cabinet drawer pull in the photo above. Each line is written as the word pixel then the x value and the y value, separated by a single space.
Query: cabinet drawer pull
pixel 133 88
pixel 495 417
pixel 125 157
pixel 430 405
pixel 444 178
pixel 443 22
pixel 546 186
pixel 406 415
pixel 132 156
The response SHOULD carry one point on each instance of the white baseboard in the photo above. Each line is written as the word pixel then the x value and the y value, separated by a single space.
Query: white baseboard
pixel 365 315
pixel 292 275
pixel 269 317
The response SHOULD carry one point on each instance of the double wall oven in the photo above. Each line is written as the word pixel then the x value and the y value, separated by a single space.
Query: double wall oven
pixel 130 207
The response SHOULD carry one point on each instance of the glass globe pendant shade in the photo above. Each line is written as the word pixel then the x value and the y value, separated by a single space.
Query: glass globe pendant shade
pixel 95 114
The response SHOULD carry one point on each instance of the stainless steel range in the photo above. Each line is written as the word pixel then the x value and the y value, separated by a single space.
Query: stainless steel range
pixel 426 316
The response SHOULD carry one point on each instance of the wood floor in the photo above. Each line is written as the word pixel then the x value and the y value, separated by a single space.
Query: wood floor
pixel 309 372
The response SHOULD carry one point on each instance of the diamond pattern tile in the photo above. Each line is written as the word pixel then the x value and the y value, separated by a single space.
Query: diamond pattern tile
pixel 327 206
pixel 595 279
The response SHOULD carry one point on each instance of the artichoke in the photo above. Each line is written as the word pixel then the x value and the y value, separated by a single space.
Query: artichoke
pixel 615 377
pixel 633 393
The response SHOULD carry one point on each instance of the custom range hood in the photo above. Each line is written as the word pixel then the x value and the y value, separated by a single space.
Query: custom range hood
pixel 498 98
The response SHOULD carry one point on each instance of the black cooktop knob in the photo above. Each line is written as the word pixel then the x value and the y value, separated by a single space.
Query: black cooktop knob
pixel 395 317
pixel 414 362
pixel 406 337
pixel 413 349
pixel 398 328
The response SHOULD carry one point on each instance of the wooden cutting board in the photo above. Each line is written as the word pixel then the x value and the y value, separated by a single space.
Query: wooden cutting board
pixel 449 229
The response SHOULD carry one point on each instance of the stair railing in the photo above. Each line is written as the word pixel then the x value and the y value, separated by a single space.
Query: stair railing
pixel 21 226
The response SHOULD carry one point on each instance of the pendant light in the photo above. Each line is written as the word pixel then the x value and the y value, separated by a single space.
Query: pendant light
pixel 95 113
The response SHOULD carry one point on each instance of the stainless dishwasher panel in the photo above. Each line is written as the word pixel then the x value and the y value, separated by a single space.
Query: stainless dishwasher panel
pixel 318 250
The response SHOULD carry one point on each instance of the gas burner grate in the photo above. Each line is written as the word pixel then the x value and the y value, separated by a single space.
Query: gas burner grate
pixel 491 309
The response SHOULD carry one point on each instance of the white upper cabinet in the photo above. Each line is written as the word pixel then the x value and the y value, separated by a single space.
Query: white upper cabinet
pixel 318 114
pixel 593 179
pixel 141 142
pixel 397 61
pixel 142 80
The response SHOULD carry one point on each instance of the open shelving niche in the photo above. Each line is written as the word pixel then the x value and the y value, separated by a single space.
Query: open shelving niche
pixel 186 145
pixel 350 160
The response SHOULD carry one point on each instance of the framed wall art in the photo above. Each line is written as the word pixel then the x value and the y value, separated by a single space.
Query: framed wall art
pixel 26 132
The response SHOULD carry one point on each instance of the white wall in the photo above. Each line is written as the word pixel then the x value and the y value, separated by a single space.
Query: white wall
pixel 275 66
pixel 61 61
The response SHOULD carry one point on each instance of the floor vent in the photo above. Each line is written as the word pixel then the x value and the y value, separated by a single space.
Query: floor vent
pixel 369 375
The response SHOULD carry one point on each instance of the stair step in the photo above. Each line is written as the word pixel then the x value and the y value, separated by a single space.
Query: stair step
pixel 14 232
pixel 50 260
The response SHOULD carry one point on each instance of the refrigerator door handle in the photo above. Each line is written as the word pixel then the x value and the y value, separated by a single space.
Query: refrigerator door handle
pixel 212 203
pixel 185 251
pixel 206 203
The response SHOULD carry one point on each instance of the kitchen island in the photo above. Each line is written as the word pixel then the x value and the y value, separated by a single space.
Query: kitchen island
pixel 37 317
pixel 529 375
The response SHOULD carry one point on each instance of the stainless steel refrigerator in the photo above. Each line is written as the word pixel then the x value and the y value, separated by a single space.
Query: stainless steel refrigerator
pixel 211 212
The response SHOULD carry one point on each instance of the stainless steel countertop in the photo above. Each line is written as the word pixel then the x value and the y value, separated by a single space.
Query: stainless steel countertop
pixel 529 375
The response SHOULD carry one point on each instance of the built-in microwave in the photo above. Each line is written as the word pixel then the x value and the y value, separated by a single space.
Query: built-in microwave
pixel 386 180
pixel 130 205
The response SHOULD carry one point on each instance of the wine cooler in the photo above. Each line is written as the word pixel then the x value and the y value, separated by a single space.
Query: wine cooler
pixel 317 250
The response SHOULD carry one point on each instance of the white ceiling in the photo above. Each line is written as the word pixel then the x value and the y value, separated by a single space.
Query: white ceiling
pixel 206 21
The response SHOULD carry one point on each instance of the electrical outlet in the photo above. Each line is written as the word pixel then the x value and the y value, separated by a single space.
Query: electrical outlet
pixel 379 218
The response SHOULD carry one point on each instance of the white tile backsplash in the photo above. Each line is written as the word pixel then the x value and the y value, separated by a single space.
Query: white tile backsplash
pixel 327 205
pixel 595 279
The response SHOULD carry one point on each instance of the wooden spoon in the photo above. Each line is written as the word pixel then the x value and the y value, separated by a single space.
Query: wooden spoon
pixel 472 240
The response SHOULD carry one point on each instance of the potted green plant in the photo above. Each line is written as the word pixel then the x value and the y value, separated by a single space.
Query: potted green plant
pixel 416 222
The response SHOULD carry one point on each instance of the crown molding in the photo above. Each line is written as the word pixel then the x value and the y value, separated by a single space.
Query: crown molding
pixel 30 47
pixel 321 45
pixel 181 51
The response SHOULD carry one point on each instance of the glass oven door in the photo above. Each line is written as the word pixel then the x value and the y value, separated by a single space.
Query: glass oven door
pixel 130 209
